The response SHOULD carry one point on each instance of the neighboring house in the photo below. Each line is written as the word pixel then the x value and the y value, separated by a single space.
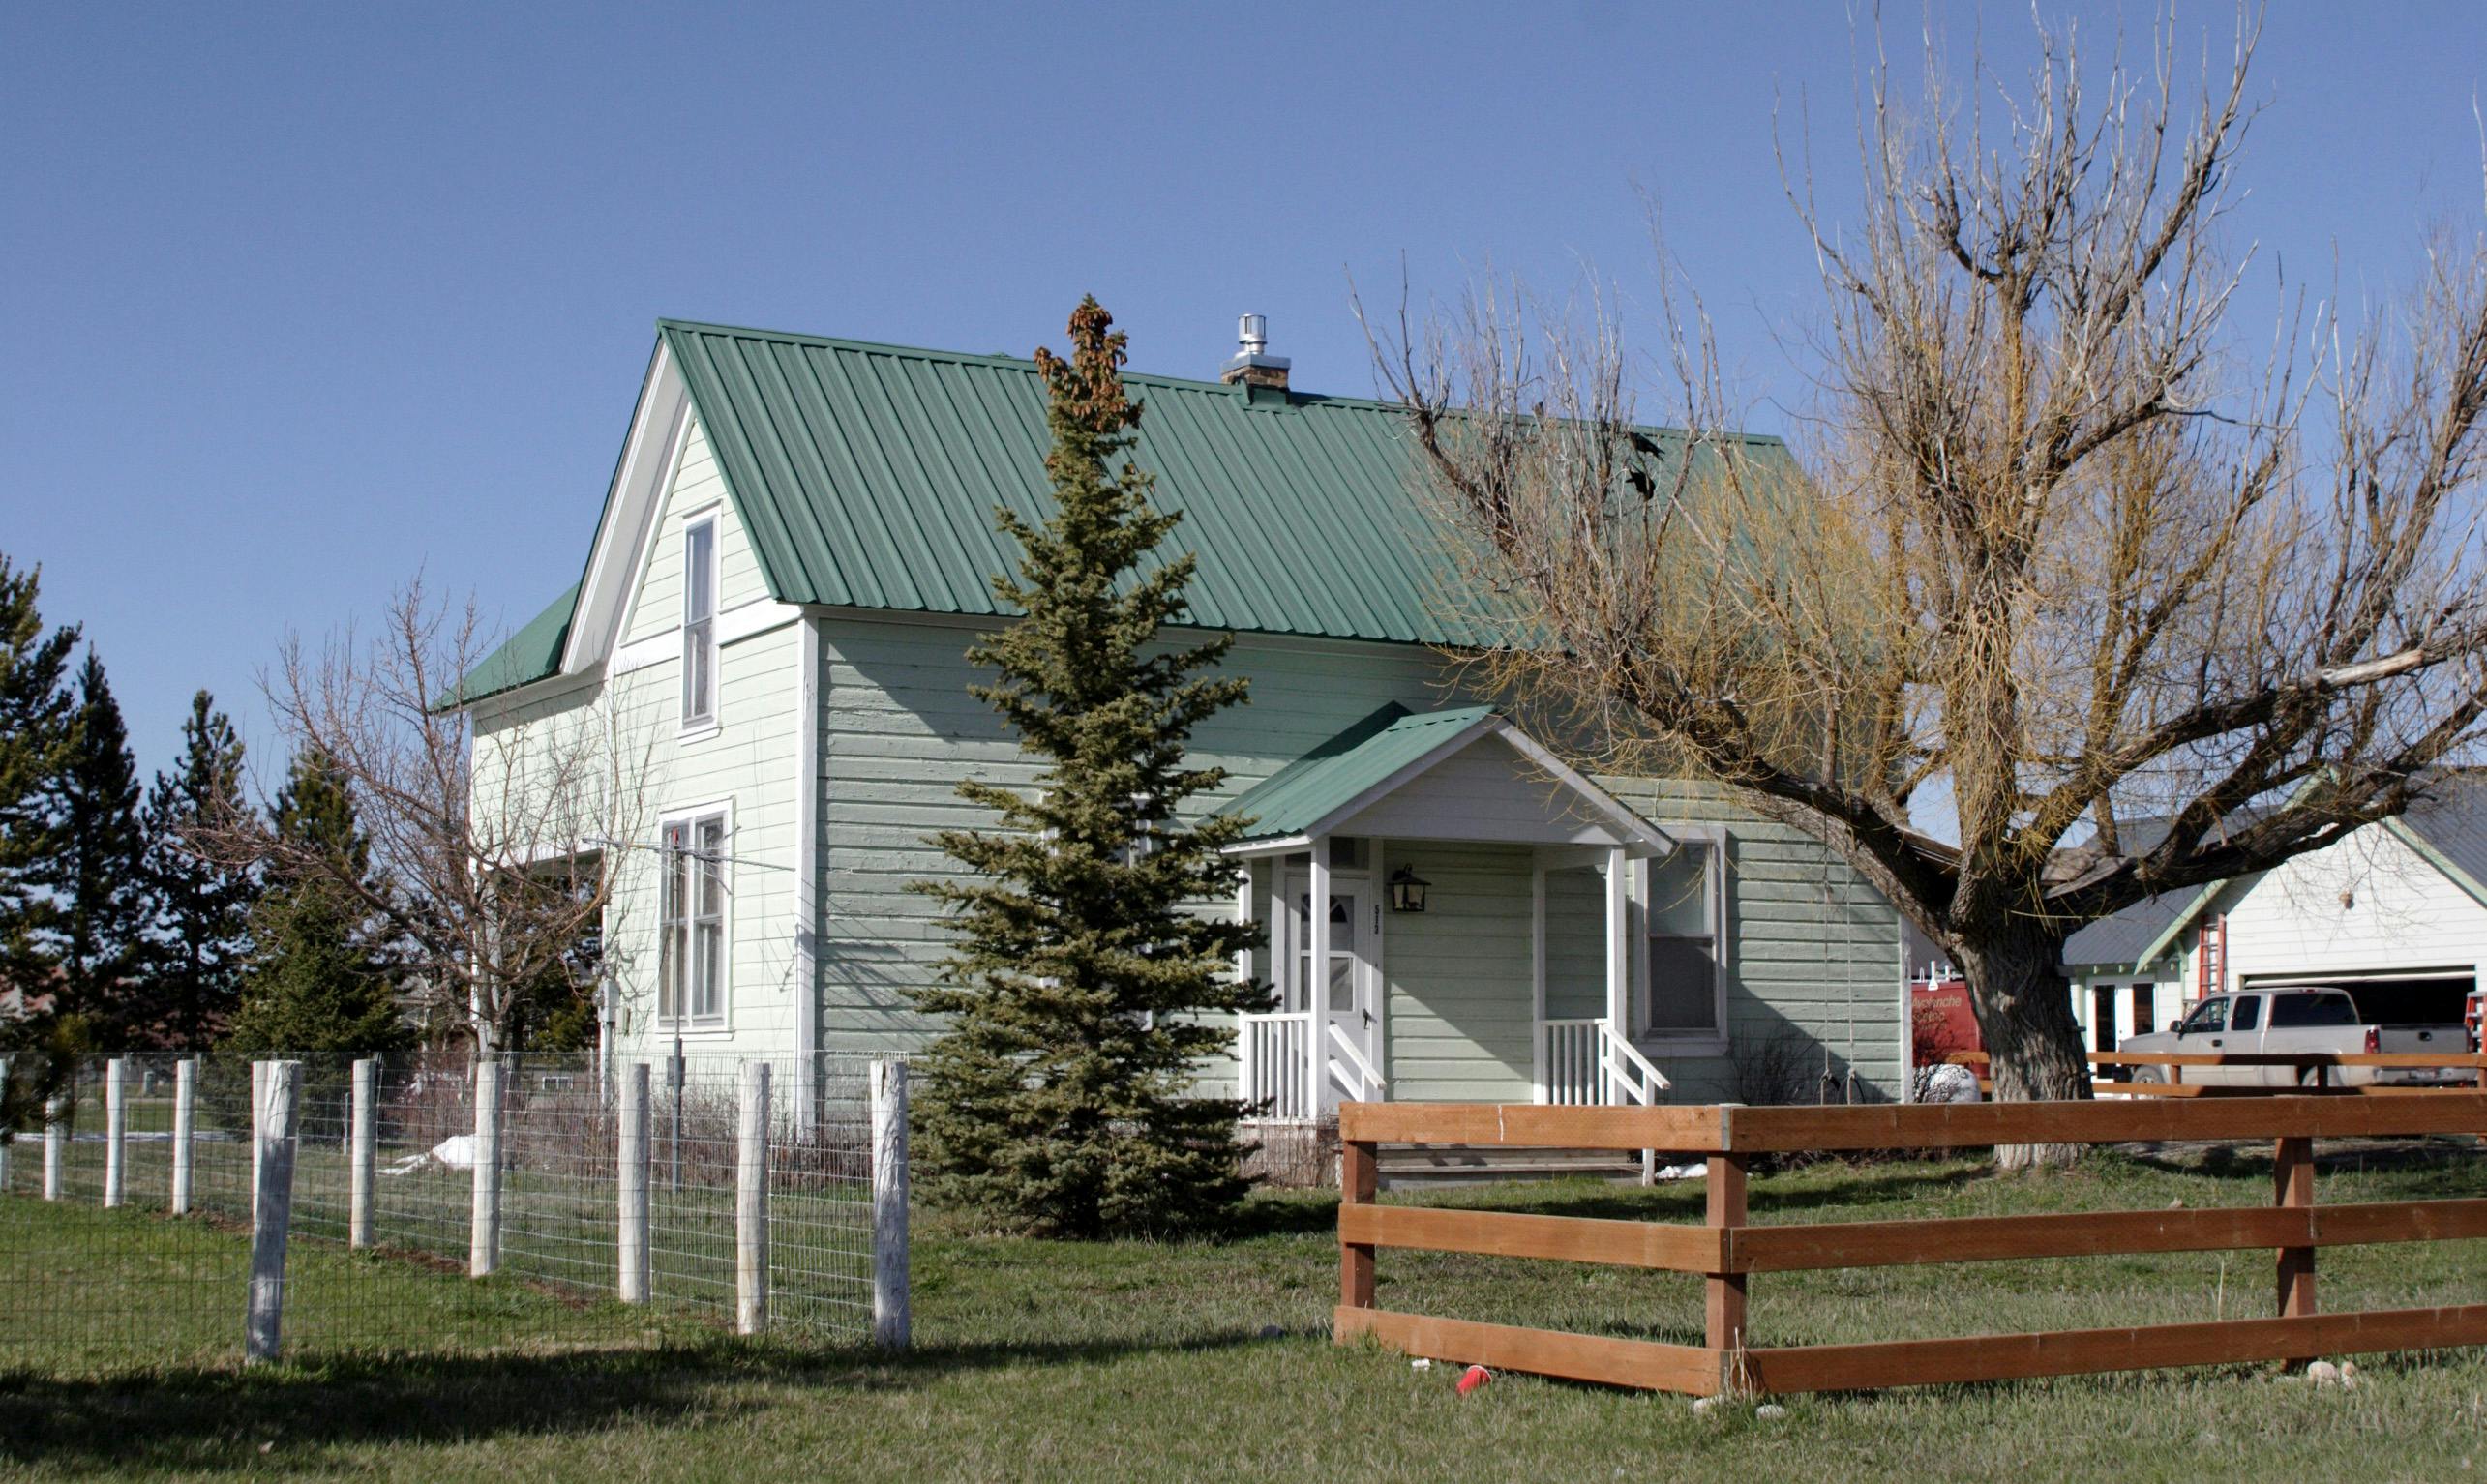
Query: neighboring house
pixel 2396 913
pixel 796 547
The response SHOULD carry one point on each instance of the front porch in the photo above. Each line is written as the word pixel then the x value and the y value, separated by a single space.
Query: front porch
pixel 1484 938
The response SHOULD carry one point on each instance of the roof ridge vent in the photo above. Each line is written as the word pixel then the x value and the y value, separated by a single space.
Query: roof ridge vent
pixel 1252 367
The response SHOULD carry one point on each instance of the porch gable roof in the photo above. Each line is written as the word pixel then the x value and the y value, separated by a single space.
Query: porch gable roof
pixel 1393 747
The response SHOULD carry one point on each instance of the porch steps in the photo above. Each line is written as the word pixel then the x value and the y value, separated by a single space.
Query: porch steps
pixel 1431 1166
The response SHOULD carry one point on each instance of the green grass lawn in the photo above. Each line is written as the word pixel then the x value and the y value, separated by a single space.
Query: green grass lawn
pixel 1211 1360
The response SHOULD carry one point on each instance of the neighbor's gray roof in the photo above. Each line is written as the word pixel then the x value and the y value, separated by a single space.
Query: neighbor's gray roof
pixel 2120 938
pixel 2452 821
pixel 867 476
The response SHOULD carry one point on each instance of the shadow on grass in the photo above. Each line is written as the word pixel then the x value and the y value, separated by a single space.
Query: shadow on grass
pixel 282 1418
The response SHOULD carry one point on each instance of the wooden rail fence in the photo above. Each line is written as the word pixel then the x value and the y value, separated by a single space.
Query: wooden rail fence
pixel 1724 1251
pixel 2321 1063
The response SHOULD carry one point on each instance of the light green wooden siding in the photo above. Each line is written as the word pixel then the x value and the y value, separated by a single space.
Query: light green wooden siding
pixel 898 730
pixel 752 761
pixel 656 606
pixel 1814 951
pixel 1575 944
pixel 1459 1020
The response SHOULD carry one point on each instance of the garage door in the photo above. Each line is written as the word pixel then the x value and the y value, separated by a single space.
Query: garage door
pixel 2398 996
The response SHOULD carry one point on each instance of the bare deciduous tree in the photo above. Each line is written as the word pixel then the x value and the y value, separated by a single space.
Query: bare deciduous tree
pixel 2124 619
pixel 494 856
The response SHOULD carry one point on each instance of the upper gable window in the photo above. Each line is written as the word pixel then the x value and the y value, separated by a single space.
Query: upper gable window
pixel 700 624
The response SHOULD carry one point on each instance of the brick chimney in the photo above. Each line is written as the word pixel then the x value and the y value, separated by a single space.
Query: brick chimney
pixel 1252 365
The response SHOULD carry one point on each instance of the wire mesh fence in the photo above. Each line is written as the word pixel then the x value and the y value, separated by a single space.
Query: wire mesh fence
pixel 398 1191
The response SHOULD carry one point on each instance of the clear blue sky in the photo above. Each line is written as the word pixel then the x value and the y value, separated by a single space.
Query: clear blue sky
pixel 298 300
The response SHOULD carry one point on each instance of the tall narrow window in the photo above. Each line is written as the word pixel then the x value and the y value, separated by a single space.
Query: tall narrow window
pixel 1687 987
pixel 691 979
pixel 700 624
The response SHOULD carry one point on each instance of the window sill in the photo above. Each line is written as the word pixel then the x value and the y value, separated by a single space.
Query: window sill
pixel 701 1030
pixel 1699 1045
pixel 698 732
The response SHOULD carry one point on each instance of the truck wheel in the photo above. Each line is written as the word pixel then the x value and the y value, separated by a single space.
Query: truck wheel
pixel 2148 1076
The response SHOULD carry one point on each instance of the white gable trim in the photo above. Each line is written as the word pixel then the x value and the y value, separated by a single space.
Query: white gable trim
pixel 657 428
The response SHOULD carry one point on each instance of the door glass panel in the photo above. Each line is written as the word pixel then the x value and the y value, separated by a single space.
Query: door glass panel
pixel 1340 981
pixel 2246 1013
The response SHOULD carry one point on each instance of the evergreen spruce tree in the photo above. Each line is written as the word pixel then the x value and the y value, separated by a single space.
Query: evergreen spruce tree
pixel 1080 994
pixel 98 877
pixel 319 983
pixel 202 928
pixel 38 716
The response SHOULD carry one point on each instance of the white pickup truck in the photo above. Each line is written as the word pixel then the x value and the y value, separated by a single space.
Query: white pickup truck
pixel 2298 1018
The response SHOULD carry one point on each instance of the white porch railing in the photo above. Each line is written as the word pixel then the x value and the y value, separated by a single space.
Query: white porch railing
pixel 1275 1076
pixel 1357 1081
pixel 1588 1064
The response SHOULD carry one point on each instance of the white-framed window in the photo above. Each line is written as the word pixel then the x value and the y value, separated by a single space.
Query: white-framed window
pixel 1684 908
pixel 692 959
pixel 700 624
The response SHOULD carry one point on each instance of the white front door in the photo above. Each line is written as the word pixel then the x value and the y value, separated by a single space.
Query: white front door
pixel 1343 995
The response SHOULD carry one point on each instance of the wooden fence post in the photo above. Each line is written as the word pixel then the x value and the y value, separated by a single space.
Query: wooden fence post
pixel 2293 1187
pixel 184 1115
pixel 1723 1305
pixel 892 1321
pixel 1358 1182
pixel 750 1204
pixel 272 1144
pixel 632 1167
pixel 361 1153
pixel 117 1117
pixel 484 1226
pixel 55 1110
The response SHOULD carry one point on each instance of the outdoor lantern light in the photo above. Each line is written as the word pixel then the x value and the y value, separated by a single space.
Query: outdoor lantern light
pixel 1407 891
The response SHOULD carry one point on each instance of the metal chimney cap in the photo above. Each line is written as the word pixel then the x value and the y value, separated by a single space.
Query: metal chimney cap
pixel 1252 334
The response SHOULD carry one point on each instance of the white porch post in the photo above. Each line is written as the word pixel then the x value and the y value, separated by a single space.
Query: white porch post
pixel 1316 989
pixel 1247 1083
pixel 1537 970
pixel 1618 956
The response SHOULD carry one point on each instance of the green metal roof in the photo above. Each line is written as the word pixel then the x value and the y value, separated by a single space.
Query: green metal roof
pixel 1325 780
pixel 866 476
pixel 531 654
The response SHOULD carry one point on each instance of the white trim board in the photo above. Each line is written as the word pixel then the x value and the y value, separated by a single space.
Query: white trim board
pixel 658 426
pixel 748 620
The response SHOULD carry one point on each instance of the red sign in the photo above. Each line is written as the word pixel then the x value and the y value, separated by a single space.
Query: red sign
pixel 1940 1021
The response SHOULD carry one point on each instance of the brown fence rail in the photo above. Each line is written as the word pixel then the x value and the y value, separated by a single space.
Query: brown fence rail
pixel 1724 1250
pixel 2322 1064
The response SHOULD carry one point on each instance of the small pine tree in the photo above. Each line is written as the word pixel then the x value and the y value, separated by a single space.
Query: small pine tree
pixel 318 985
pixel 1079 996
pixel 202 935
pixel 99 876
